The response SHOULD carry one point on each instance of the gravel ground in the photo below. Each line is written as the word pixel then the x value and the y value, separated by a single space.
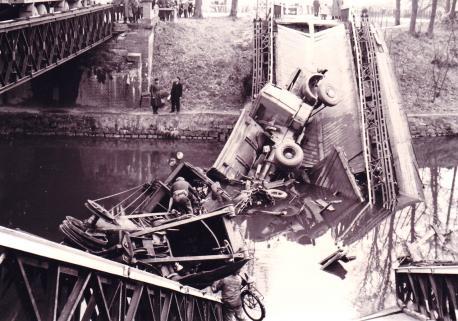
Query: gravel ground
pixel 212 56
pixel 418 61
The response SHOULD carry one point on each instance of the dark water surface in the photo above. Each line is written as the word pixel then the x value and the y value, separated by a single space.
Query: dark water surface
pixel 44 179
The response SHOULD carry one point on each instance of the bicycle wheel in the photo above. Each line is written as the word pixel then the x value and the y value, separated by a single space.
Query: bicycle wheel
pixel 252 306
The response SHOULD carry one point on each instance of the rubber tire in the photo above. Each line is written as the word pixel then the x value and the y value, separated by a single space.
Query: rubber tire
pixel 246 309
pixel 324 89
pixel 298 154
pixel 277 193
pixel 309 90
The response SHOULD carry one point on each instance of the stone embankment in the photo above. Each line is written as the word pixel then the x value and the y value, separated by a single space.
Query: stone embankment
pixel 141 124
pixel 206 125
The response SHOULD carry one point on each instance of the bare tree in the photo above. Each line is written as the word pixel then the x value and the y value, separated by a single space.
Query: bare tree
pixel 432 19
pixel 447 6
pixel 452 12
pixel 397 13
pixel 442 62
pixel 198 9
pixel 413 17
pixel 234 8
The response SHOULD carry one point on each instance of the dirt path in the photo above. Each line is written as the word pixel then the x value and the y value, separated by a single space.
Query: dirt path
pixel 417 61
pixel 212 56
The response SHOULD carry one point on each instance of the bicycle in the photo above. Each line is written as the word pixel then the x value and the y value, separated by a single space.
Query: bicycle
pixel 252 300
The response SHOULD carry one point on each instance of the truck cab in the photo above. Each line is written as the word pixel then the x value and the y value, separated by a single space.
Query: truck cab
pixel 275 120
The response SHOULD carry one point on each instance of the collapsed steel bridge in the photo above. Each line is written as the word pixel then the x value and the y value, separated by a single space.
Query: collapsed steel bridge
pixel 43 280
pixel 31 47
pixel 429 290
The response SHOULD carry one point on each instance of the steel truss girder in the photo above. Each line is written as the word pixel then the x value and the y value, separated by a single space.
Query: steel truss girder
pixel 377 150
pixel 262 42
pixel 30 49
pixel 432 295
pixel 37 289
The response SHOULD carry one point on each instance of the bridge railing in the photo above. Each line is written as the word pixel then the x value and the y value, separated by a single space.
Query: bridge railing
pixel 43 280
pixel 30 47
pixel 430 290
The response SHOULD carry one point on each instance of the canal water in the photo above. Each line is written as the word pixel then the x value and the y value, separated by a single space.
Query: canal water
pixel 44 179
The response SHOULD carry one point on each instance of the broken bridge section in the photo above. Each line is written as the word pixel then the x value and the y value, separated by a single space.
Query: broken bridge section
pixel 43 280
pixel 428 289
pixel 31 47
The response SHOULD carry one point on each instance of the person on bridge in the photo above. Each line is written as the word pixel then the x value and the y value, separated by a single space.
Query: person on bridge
pixel 230 288
pixel 316 7
pixel 154 94
pixel 190 7
pixel 336 8
pixel 175 95
pixel 181 193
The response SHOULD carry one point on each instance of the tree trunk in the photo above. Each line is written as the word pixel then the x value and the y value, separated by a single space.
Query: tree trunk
pixel 432 19
pixel 413 17
pixel 452 12
pixel 234 8
pixel 447 6
pixel 397 13
pixel 198 9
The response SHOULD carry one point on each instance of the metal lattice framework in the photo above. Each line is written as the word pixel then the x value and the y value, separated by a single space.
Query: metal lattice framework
pixel 377 151
pixel 430 290
pixel 31 47
pixel 262 54
pixel 83 287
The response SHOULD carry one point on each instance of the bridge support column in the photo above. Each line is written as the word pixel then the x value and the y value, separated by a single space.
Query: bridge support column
pixel 148 13
pixel 75 4
pixel 28 10
pixel 41 9
pixel 61 6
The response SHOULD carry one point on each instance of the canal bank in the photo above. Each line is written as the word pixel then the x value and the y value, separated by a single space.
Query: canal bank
pixel 142 123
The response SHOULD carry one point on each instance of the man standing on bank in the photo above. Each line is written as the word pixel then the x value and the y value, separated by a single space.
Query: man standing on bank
pixel 175 95
pixel 154 94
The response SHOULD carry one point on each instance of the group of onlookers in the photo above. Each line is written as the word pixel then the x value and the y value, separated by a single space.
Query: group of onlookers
pixel 323 9
pixel 182 8
pixel 133 11
pixel 185 9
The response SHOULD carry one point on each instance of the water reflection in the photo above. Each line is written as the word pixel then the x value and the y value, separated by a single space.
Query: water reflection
pixel 44 179
pixel 51 178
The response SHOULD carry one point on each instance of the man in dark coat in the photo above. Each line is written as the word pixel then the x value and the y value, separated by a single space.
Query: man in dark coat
pixel 175 95
pixel 316 7
pixel 154 94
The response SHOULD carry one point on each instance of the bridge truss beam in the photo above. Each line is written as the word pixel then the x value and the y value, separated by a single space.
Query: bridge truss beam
pixel 431 291
pixel 82 287
pixel 29 48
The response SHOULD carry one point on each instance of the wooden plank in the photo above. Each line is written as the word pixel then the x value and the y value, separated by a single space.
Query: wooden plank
pixel 145 231
pixel 192 258
pixel 310 205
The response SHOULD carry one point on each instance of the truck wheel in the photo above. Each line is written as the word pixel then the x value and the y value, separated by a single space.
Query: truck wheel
pixel 289 154
pixel 277 193
pixel 327 94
